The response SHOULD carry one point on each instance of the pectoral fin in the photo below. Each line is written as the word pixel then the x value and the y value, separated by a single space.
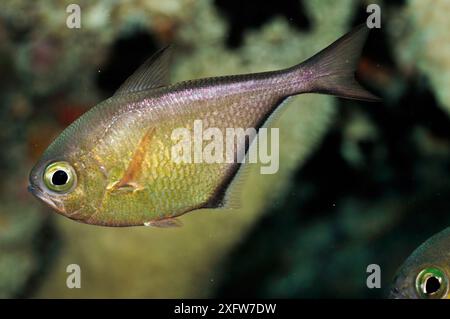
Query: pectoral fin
pixel 129 181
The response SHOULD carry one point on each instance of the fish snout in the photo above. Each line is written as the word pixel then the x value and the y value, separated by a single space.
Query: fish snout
pixel 38 193
pixel 401 288
pixel 395 293
pixel 30 189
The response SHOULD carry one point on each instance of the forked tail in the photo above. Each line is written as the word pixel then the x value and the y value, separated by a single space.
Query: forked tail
pixel 332 70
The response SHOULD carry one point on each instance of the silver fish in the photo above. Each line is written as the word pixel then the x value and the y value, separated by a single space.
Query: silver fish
pixel 113 167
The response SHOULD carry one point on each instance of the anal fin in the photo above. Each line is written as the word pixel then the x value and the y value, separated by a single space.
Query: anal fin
pixel 233 195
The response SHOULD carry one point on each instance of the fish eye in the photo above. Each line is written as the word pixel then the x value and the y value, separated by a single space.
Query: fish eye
pixel 432 283
pixel 59 177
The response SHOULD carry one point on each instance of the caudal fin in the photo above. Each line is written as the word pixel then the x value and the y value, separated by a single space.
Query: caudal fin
pixel 332 70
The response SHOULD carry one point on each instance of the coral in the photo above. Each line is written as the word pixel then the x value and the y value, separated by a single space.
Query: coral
pixel 420 37
pixel 19 225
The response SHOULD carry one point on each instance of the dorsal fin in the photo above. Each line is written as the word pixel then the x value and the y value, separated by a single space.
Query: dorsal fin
pixel 152 74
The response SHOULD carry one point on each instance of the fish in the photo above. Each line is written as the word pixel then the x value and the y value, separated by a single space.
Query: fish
pixel 113 166
pixel 426 273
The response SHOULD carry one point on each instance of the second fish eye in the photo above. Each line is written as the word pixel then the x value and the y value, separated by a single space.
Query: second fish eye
pixel 432 283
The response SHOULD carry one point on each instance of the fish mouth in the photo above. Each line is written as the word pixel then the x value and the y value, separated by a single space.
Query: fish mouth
pixel 56 205
pixel 396 293
pixel 401 290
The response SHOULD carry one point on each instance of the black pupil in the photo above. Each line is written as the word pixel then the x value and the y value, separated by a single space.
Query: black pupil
pixel 59 178
pixel 432 285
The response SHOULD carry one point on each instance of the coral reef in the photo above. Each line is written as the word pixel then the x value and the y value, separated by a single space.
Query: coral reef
pixel 419 35
pixel 357 182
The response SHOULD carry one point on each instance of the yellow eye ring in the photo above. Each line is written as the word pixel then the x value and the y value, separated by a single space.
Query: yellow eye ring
pixel 432 283
pixel 60 177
